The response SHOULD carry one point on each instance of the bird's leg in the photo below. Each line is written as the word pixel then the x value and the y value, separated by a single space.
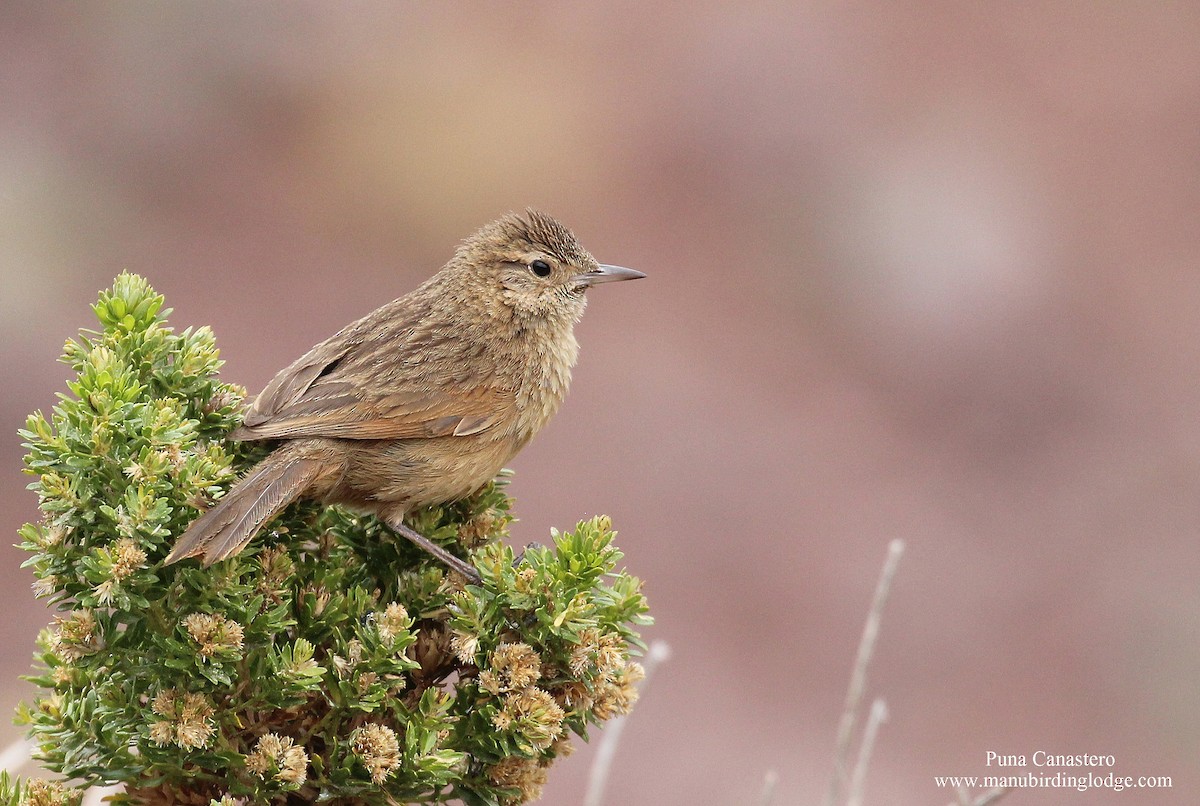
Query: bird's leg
pixel 455 563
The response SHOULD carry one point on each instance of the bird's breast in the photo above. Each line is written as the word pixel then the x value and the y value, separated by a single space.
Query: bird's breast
pixel 543 384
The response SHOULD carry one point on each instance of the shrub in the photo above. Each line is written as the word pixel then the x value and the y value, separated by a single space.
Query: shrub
pixel 329 661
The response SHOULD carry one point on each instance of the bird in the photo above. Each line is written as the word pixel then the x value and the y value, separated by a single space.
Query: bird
pixel 424 400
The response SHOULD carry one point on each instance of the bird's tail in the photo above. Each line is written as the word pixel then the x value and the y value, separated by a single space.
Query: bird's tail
pixel 225 529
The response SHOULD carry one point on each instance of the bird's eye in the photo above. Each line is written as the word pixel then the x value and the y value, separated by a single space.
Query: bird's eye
pixel 540 267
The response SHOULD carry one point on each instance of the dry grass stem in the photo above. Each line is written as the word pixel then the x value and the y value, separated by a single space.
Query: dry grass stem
pixel 17 756
pixel 858 677
pixel 983 799
pixel 768 790
pixel 991 796
pixel 658 652
pixel 875 718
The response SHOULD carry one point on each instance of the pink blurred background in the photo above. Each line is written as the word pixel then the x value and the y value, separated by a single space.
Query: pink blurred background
pixel 925 272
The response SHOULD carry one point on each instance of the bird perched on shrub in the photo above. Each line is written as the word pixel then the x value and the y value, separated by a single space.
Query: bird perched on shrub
pixel 423 400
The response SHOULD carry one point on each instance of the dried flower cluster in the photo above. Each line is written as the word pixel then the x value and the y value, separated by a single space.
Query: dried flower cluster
pixel 378 749
pixel 215 635
pixel 39 792
pixel 393 622
pixel 511 667
pixel 188 719
pixel 330 661
pixel 278 757
pixel 525 775
pixel 533 714
pixel 464 647
pixel 74 636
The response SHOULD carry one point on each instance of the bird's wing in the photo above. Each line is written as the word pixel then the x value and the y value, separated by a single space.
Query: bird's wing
pixel 358 385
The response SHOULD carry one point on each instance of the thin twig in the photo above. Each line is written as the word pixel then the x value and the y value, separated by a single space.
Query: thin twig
pixel 602 763
pixel 984 799
pixel 858 677
pixel 991 796
pixel 768 790
pixel 876 717
pixel 17 756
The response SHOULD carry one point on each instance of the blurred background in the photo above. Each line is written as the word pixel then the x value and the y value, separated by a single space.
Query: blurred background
pixel 923 271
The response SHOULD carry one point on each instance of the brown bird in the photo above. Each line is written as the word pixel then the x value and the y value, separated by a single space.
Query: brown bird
pixel 423 400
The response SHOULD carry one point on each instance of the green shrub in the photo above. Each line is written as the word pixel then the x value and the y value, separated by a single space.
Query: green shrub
pixel 329 661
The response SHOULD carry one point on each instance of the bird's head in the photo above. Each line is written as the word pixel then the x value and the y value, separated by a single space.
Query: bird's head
pixel 536 266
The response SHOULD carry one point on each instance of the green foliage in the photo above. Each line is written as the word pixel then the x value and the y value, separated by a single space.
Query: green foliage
pixel 330 660
pixel 36 792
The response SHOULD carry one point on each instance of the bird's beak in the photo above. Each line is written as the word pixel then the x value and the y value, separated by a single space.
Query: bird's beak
pixel 607 274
